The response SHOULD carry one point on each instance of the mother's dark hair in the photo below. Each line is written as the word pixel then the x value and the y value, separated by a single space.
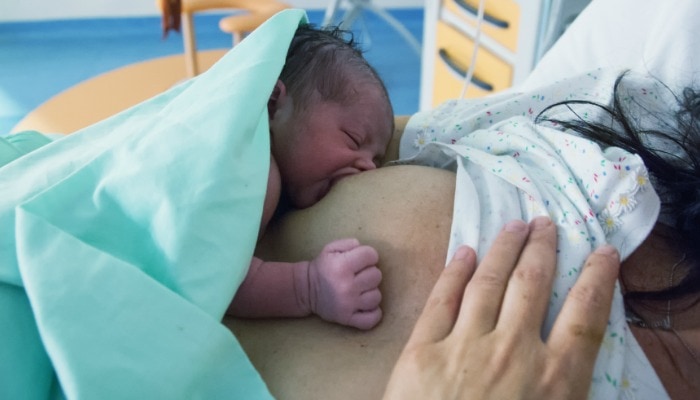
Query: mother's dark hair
pixel 671 153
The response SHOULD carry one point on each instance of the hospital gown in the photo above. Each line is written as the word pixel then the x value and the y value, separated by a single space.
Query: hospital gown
pixel 508 167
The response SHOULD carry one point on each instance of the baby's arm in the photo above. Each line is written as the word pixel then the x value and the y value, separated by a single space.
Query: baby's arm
pixel 340 285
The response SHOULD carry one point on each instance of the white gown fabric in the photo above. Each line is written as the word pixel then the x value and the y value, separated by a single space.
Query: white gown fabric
pixel 508 167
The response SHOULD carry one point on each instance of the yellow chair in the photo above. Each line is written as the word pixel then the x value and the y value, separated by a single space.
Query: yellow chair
pixel 255 12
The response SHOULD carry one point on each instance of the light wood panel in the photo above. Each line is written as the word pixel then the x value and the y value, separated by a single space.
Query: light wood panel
pixel 107 94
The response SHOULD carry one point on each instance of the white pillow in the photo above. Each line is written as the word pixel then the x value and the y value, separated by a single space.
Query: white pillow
pixel 655 37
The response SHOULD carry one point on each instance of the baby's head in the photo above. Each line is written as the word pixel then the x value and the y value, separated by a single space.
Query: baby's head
pixel 330 115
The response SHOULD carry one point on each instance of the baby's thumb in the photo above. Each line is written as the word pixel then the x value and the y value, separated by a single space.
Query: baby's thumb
pixel 341 245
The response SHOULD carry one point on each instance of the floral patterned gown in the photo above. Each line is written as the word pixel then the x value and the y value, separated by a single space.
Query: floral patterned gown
pixel 509 167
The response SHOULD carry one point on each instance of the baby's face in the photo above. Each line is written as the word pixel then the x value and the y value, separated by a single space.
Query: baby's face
pixel 329 142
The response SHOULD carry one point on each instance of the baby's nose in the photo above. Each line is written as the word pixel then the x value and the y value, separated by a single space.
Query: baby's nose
pixel 365 164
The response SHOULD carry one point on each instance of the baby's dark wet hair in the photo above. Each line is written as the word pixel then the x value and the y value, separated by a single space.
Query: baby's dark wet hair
pixel 327 61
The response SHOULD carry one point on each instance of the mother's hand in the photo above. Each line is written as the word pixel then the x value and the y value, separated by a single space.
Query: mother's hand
pixel 479 334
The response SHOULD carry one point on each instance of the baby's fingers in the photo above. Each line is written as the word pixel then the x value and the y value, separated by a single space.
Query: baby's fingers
pixel 579 328
pixel 369 278
pixel 369 300
pixel 365 319
pixel 358 259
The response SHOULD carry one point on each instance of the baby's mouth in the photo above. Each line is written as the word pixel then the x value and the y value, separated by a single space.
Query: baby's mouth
pixel 330 183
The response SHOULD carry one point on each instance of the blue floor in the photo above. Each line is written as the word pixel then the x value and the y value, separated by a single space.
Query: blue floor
pixel 40 59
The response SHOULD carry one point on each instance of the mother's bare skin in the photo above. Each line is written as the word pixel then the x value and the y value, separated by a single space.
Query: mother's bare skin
pixel 312 359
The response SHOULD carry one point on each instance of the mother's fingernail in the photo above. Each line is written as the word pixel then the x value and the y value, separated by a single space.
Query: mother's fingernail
pixel 461 253
pixel 606 250
pixel 515 225
pixel 540 222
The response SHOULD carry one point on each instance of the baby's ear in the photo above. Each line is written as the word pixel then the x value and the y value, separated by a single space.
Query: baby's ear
pixel 279 93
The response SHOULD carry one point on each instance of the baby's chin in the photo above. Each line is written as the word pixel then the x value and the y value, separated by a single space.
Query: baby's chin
pixel 308 198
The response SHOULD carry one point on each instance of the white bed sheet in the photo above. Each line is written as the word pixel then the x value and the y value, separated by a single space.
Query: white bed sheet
pixel 655 37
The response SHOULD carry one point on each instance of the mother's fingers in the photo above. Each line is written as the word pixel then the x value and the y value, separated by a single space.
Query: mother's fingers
pixel 441 309
pixel 529 289
pixel 579 328
pixel 482 299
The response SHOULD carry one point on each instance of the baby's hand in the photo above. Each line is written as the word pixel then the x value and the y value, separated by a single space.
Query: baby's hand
pixel 344 284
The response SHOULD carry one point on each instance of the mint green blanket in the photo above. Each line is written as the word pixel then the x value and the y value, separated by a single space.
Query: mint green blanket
pixel 122 245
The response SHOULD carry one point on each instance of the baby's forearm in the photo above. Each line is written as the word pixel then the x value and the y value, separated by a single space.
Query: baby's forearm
pixel 273 289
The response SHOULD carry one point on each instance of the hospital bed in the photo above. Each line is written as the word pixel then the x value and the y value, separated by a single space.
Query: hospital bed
pixel 644 38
